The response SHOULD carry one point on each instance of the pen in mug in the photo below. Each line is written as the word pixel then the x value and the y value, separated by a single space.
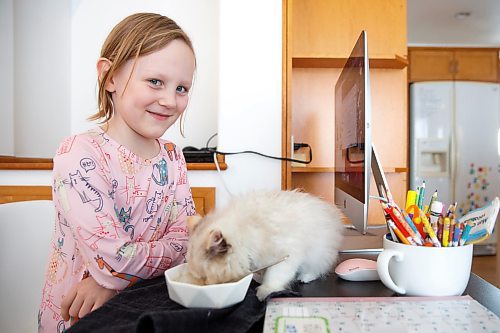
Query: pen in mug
pixel 429 230
pixel 411 200
pixel 393 235
pixel 452 229
pixel 457 233
pixel 436 209
pixel 417 196
pixel 465 233
pixel 388 210
pixel 417 221
pixel 433 198
pixel 412 226
pixel 398 217
pixel 391 231
pixel 451 209
pixel 398 232
pixel 446 232
pixel 421 195
pixel 440 229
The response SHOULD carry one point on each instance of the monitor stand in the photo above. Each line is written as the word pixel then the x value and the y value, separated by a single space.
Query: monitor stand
pixel 371 242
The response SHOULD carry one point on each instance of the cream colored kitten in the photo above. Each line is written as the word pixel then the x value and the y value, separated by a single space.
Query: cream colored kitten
pixel 259 228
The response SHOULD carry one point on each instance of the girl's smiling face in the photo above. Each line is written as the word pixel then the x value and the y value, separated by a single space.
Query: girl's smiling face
pixel 150 93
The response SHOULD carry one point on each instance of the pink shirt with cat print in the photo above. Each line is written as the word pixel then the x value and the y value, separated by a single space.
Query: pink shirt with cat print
pixel 120 218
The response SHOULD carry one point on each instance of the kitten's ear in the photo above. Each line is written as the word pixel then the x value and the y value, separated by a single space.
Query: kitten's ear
pixel 217 244
pixel 192 222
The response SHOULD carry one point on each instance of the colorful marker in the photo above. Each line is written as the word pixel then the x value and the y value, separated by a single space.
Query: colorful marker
pixel 440 229
pixel 398 233
pixel 421 194
pixel 465 233
pixel 387 220
pixel 452 229
pixel 398 217
pixel 418 223
pixel 389 210
pixel 436 209
pixel 446 232
pixel 413 227
pixel 433 198
pixel 457 233
pixel 429 230
pixel 451 209
pixel 411 199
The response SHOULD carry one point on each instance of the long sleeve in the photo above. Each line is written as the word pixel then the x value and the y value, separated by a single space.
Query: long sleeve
pixel 126 215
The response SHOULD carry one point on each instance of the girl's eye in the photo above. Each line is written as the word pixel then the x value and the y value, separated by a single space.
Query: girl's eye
pixel 181 89
pixel 156 82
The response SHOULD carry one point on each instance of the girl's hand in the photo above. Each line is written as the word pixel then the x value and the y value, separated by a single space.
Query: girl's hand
pixel 84 298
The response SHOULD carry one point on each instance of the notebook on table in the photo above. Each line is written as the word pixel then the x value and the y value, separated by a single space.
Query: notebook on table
pixel 378 314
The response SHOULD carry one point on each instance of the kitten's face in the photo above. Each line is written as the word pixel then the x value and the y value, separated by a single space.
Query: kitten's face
pixel 211 256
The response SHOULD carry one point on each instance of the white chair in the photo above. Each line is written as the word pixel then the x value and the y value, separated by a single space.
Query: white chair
pixel 25 233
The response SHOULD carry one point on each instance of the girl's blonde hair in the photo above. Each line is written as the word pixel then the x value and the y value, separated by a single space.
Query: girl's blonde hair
pixel 136 35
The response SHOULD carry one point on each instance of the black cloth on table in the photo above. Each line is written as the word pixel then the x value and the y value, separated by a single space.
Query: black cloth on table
pixel 158 313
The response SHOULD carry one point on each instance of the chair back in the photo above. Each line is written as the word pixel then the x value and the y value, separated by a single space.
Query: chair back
pixel 25 232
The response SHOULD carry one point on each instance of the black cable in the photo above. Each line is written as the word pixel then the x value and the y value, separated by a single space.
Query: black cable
pixel 296 146
pixel 268 156
pixel 210 139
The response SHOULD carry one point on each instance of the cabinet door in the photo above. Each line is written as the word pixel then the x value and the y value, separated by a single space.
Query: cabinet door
pixel 329 29
pixel 431 65
pixel 477 65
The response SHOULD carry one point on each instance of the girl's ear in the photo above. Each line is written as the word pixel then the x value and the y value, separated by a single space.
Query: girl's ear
pixel 103 65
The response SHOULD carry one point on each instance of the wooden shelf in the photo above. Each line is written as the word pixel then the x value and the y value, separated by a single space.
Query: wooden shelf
pixel 398 62
pixel 312 169
pixel 204 197
pixel 331 169
pixel 27 163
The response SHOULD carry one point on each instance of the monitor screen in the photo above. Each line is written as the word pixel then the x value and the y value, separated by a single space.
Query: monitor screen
pixel 353 136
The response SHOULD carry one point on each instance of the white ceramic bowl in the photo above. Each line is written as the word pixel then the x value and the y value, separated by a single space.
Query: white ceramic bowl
pixel 214 296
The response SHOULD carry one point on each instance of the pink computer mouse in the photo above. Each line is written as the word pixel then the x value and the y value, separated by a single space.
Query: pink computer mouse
pixel 357 269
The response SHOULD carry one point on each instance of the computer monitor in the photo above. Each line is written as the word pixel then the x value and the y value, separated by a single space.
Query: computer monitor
pixel 353 140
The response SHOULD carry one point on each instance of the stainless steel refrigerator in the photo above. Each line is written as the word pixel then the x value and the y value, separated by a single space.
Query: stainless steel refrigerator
pixel 455 145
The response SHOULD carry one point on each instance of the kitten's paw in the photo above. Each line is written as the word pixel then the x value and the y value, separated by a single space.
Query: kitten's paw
pixel 263 291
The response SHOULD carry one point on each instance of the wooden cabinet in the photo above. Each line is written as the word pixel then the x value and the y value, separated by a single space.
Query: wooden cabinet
pixel 203 197
pixel 465 64
pixel 318 37
pixel 328 29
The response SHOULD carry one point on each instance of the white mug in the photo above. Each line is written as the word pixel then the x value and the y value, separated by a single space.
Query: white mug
pixel 424 271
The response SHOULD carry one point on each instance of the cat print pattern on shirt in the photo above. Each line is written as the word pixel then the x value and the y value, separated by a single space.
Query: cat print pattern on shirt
pixel 159 174
pixel 85 190
pixel 120 218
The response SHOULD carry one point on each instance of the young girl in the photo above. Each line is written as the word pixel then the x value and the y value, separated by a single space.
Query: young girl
pixel 121 193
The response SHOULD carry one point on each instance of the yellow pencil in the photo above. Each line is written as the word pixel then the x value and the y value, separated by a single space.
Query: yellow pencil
pixel 446 231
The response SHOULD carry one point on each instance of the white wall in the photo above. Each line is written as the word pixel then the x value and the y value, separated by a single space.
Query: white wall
pixel 6 77
pixel 248 90
pixel 92 20
pixel 41 74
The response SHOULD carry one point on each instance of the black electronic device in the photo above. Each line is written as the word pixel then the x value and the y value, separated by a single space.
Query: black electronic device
pixel 198 155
